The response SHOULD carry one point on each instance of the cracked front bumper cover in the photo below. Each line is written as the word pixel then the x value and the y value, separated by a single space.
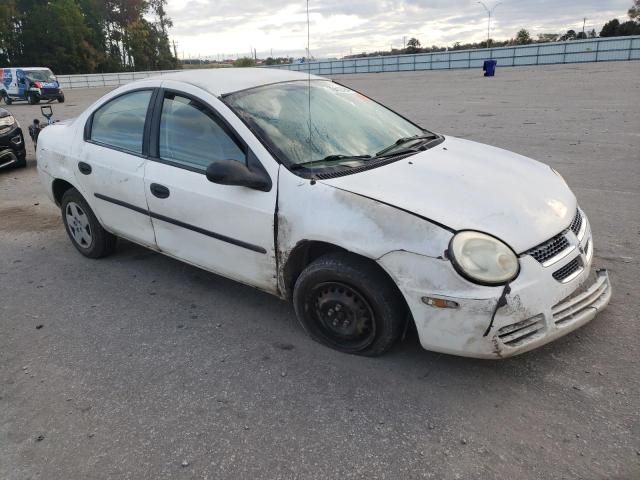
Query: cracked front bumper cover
pixel 538 309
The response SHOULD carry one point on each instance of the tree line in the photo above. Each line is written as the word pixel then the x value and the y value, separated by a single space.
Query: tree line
pixel 613 28
pixel 86 36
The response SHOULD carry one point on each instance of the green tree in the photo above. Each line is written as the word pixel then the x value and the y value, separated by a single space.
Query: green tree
pixel 628 28
pixel 634 11
pixel 523 37
pixel 70 41
pixel 244 62
pixel 413 46
pixel 610 29
pixel 547 37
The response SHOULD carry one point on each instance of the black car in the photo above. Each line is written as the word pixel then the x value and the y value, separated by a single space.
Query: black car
pixel 12 148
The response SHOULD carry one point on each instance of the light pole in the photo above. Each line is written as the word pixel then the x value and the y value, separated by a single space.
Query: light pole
pixel 489 13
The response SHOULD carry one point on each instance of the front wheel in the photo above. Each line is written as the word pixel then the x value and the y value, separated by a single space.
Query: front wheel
pixel 32 99
pixel 61 99
pixel 347 303
pixel 83 228
pixel 7 99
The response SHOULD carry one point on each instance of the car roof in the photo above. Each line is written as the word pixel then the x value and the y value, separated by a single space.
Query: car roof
pixel 221 81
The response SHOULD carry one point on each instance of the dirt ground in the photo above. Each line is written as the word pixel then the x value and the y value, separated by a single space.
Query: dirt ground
pixel 138 366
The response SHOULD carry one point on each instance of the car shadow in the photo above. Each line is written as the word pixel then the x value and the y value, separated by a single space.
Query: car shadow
pixel 407 357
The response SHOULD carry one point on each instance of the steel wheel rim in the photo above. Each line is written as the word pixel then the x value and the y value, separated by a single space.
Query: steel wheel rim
pixel 343 315
pixel 78 225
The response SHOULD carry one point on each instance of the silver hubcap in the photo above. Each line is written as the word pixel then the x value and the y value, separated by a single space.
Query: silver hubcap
pixel 78 224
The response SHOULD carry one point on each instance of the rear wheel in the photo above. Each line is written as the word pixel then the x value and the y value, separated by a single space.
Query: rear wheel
pixel 347 303
pixel 83 228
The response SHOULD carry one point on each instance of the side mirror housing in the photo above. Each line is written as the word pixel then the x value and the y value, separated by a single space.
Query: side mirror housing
pixel 232 172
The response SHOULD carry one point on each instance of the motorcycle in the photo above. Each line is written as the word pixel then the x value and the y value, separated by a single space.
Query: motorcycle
pixel 36 127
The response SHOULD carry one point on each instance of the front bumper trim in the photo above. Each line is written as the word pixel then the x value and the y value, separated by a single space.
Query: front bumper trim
pixel 571 313
pixel 594 297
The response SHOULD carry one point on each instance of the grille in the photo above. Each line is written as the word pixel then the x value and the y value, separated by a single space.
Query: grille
pixel 519 333
pixel 49 91
pixel 569 269
pixel 576 224
pixel 550 248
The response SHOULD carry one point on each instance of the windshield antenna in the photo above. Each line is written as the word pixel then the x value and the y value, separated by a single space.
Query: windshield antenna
pixel 309 79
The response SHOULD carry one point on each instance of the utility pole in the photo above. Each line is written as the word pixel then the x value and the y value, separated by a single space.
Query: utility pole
pixel 584 22
pixel 404 42
pixel 489 13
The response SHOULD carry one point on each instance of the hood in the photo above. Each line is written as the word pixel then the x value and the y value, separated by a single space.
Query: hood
pixel 466 185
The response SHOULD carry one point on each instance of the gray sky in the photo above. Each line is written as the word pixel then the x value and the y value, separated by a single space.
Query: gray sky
pixel 230 27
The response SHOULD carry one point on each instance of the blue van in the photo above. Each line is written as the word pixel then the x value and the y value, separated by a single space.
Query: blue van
pixel 31 84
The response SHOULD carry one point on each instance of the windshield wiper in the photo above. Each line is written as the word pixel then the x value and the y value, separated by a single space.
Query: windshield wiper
pixel 331 158
pixel 402 141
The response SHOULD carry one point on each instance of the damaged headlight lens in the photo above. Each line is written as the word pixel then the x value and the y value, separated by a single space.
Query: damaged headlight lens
pixel 482 258
pixel 7 121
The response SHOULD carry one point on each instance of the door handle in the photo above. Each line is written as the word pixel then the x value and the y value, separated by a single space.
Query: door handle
pixel 84 168
pixel 159 191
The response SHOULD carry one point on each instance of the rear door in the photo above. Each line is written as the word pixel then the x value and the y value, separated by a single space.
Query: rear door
pixel 224 229
pixel 111 165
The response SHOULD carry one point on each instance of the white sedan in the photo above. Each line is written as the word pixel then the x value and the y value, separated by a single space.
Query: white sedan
pixel 313 192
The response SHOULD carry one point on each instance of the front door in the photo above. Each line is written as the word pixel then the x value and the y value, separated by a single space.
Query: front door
pixel 224 229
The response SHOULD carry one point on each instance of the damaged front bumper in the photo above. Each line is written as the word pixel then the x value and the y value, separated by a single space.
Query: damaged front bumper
pixel 12 147
pixel 453 315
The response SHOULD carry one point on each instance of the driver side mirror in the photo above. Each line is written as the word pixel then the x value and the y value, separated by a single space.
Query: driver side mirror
pixel 232 172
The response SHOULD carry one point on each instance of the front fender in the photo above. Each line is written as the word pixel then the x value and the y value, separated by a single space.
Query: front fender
pixel 313 211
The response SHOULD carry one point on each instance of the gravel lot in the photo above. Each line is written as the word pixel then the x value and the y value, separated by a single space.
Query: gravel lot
pixel 138 366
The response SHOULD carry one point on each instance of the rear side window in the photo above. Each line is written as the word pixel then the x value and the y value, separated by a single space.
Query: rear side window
pixel 120 123
pixel 191 135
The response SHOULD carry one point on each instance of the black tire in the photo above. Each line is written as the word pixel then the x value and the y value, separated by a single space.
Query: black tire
pixel 7 99
pixel 32 99
pixel 101 243
pixel 22 162
pixel 373 311
pixel 61 99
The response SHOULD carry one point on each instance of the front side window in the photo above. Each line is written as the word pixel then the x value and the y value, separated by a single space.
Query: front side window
pixel 191 135
pixel 340 125
pixel 120 123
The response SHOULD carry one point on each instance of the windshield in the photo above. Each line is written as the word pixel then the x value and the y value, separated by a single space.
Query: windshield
pixel 342 124
pixel 45 75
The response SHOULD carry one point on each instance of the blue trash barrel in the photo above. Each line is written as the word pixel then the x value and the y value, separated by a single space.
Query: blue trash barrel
pixel 489 67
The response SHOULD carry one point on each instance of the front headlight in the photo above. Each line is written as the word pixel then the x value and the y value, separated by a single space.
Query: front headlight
pixel 7 121
pixel 482 258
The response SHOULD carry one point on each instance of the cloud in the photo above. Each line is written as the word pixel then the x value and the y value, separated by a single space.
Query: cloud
pixel 212 28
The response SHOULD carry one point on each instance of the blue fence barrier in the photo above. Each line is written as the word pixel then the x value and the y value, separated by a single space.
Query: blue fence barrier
pixel 579 51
